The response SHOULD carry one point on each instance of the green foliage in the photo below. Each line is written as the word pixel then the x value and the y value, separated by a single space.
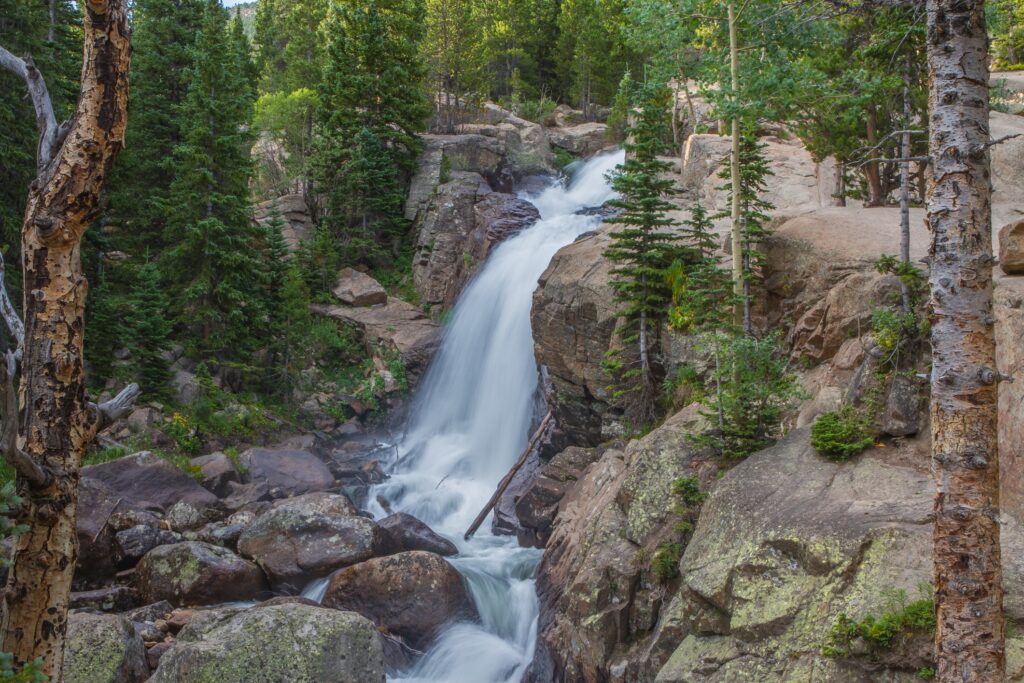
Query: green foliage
pixel 147 332
pixel 841 434
pixel 665 563
pixel 688 488
pixel 900 326
pixel 29 673
pixel 700 285
pixel 642 250
pixel 622 105
pixel 288 119
pixel 591 52
pixel 926 673
pixel 753 390
pixel 900 619
pixel 184 434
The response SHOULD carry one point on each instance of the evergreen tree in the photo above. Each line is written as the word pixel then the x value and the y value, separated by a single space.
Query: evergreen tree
pixel 452 50
pixel 163 33
pixel 618 117
pixel 700 285
pixel 148 331
pixel 371 109
pixel 754 210
pixel 591 50
pixel 643 251
pixel 245 64
pixel 213 262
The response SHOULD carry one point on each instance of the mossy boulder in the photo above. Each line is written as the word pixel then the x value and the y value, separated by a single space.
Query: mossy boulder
pixel 284 642
pixel 103 648
pixel 196 573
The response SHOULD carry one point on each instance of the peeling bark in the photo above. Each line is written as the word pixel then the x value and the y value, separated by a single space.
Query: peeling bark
pixel 965 459
pixel 56 422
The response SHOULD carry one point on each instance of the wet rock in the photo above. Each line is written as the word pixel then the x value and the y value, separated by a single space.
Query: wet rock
pixel 196 573
pixel 293 471
pixel 145 479
pixel 218 472
pixel 132 544
pixel 354 288
pixel 583 140
pixel 404 532
pixel 308 537
pixel 537 508
pixel 103 648
pixel 412 595
pixel 1011 248
pixel 292 642
pixel 108 599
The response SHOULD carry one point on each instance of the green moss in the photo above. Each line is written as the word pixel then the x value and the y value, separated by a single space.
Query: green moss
pixel 841 434
pixel 880 632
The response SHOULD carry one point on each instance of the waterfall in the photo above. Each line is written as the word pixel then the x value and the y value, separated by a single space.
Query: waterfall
pixel 469 423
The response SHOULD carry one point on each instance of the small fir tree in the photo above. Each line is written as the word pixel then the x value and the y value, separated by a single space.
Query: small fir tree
pixel 643 250
pixel 754 171
pixel 618 117
pixel 149 332
pixel 701 287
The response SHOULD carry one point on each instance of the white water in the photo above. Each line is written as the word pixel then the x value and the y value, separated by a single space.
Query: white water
pixel 470 422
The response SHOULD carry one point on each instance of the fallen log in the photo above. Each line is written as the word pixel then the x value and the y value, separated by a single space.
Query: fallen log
pixel 503 484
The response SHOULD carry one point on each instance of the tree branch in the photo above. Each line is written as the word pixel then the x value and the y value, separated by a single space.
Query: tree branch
pixel 23 464
pixel 46 121
pixel 8 312
pixel 113 410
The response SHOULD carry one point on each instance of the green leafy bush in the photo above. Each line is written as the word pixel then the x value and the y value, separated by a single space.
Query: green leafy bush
pixel 665 563
pixel 689 489
pixel 841 434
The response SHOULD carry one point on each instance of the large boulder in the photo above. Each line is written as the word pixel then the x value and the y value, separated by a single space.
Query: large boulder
pixel 354 288
pixel 583 140
pixel 397 326
pixel 268 644
pixel 96 503
pixel 308 537
pixel 1011 248
pixel 444 154
pixel 413 595
pixel 132 544
pixel 404 532
pixel 218 472
pixel 293 472
pixel 459 226
pixel 103 648
pixel 144 479
pixel 196 573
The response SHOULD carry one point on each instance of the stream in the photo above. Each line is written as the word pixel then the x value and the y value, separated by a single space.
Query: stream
pixel 470 420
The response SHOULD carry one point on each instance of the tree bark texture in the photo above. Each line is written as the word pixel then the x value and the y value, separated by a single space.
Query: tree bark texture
pixel 734 168
pixel 965 461
pixel 56 422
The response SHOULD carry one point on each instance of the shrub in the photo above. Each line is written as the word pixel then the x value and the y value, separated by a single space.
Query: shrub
pixel 881 632
pixel 665 563
pixel 689 489
pixel 841 434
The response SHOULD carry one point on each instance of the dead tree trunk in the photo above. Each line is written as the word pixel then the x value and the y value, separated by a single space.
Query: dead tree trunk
pixel 965 459
pixel 56 423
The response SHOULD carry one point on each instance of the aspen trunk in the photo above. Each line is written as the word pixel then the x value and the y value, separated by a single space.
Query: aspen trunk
pixel 734 160
pixel 905 186
pixel 56 423
pixel 965 460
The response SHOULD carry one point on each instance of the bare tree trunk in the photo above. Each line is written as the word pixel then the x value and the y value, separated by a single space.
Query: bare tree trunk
pixel 871 170
pixel 734 161
pixel 56 422
pixel 1011 20
pixel 965 459
pixel 905 185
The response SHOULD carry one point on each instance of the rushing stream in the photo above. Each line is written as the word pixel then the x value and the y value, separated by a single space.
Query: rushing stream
pixel 470 421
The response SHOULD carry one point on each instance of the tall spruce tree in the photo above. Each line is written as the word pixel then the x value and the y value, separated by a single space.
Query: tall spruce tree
pixel 643 251
pixel 700 285
pixel 371 108
pixel 163 34
pixel 148 331
pixel 213 263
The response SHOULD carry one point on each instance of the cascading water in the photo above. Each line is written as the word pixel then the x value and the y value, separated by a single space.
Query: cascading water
pixel 470 422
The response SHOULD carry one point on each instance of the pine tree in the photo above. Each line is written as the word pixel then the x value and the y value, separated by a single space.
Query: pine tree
pixel 618 117
pixel 371 109
pixel 754 171
pixel 245 65
pixel 213 262
pixel 163 34
pixel 148 331
pixel 700 285
pixel 451 47
pixel 643 251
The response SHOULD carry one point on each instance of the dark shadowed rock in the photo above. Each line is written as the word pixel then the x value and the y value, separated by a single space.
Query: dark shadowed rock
pixel 538 505
pixel 132 544
pixel 293 471
pixel 218 471
pixel 412 595
pixel 308 537
pixel 108 599
pixel 195 573
pixel 902 407
pixel 103 648
pixel 404 532
pixel 96 504
pixel 290 642
pixel 1011 248
pixel 144 478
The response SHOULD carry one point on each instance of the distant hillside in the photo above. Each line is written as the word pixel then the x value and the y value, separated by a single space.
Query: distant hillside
pixel 248 12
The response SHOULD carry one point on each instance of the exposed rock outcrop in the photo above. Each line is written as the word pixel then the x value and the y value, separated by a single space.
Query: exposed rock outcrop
pixel 582 140
pixel 285 642
pixel 103 648
pixel 292 471
pixel 144 480
pixel 354 288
